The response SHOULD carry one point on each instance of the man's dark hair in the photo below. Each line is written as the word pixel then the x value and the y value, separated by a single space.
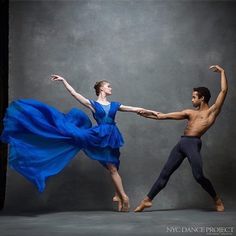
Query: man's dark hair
pixel 203 92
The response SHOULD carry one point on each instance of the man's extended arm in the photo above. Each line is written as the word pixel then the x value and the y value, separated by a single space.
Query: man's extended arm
pixel 216 107
pixel 179 115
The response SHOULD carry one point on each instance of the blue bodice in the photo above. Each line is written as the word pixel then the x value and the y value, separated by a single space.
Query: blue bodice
pixel 105 114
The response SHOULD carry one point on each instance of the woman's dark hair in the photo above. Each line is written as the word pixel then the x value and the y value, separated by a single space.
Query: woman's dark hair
pixel 203 92
pixel 98 85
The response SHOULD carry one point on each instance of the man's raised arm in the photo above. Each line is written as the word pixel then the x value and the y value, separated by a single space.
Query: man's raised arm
pixel 216 107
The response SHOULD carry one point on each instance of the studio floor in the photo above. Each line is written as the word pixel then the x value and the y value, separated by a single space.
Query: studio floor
pixel 152 222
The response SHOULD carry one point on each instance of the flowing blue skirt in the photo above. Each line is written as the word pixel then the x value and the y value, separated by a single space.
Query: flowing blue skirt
pixel 43 140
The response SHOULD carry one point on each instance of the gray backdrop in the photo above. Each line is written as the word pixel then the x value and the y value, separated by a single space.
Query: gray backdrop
pixel 153 53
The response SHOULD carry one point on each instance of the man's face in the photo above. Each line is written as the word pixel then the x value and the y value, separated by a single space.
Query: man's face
pixel 196 101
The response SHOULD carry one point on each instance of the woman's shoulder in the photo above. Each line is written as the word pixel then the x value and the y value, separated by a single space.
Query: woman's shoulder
pixel 116 104
pixel 92 101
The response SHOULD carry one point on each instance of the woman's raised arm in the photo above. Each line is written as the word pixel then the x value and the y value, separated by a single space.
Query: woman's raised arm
pixel 84 101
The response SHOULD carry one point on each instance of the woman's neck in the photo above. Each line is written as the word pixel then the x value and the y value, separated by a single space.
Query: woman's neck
pixel 102 98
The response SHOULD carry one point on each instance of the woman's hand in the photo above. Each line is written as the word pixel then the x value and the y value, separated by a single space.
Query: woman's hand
pixel 57 78
pixel 143 112
pixel 149 114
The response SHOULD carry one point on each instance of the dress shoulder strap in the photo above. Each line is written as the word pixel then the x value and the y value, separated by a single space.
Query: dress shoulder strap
pixel 116 105
pixel 91 101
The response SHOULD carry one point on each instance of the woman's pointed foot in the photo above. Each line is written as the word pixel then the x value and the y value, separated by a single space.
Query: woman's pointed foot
pixel 146 203
pixel 125 205
pixel 118 202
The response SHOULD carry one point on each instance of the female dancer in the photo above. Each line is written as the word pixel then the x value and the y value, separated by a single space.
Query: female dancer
pixel 43 140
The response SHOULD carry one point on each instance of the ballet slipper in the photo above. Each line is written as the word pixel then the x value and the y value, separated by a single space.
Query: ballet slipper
pixel 125 205
pixel 118 202
pixel 116 198
pixel 144 204
pixel 219 206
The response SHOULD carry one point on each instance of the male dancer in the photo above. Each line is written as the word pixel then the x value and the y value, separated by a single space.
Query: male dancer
pixel 199 121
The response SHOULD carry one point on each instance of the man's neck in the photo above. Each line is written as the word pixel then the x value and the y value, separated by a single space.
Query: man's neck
pixel 204 106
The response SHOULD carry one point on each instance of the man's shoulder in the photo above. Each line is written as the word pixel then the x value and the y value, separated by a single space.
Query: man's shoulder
pixel 189 111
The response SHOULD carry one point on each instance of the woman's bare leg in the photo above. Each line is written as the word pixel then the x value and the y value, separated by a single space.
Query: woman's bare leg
pixel 119 187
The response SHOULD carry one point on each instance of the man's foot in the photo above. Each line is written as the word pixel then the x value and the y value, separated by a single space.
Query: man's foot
pixel 219 206
pixel 125 205
pixel 145 203
pixel 118 202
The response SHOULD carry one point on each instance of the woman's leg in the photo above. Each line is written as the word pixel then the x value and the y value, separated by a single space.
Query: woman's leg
pixel 119 187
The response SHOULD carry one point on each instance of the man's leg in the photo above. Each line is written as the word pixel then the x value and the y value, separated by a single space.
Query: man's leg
pixel 195 160
pixel 175 159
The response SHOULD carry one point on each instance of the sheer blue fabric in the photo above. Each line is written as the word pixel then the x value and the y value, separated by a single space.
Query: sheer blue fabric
pixel 44 140
pixel 106 108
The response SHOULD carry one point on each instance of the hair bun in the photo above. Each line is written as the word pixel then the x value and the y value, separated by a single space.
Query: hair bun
pixel 97 86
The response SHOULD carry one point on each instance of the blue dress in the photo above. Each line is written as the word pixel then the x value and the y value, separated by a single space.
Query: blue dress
pixel 44 140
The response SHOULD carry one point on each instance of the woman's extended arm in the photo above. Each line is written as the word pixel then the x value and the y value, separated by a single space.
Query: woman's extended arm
pixel 130 109
pixel 84 101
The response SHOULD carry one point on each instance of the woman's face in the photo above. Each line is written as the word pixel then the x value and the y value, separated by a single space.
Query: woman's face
pixel 106 88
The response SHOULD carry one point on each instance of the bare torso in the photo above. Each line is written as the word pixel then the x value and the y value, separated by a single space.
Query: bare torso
pixel 199 122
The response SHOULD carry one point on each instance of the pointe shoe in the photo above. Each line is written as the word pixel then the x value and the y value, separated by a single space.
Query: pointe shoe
pixel 118 202
pixel 125 205
pixel 144 204
pixel 219 206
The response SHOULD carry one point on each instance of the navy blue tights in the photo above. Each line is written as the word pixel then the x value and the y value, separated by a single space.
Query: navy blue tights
pixel 189 147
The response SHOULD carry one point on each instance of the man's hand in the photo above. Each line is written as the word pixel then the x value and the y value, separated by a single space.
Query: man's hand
pixel 56 78
pixel 148 113
pixel 216 68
